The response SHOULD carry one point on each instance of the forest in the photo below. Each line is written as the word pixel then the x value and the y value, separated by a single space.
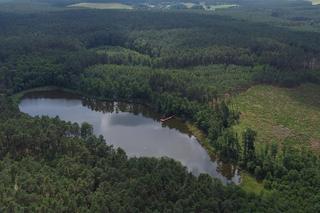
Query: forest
pixel 178 62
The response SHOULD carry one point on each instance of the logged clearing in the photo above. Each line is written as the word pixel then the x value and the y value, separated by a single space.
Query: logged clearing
pixel 189 5
pixel 221 6
pixel 281 114
pixel 103 6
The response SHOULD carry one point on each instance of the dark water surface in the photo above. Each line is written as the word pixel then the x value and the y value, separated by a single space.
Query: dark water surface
pixel 133 127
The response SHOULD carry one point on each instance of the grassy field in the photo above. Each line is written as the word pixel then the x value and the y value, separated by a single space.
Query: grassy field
pixel 102 6
pixel 282 115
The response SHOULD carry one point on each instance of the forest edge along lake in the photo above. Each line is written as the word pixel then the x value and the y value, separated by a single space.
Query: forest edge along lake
pixel 133 127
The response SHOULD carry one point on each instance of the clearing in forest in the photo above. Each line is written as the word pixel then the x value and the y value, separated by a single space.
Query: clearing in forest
pixel 220 6
pixel 315 2
pixel 281 114
pixel 102 6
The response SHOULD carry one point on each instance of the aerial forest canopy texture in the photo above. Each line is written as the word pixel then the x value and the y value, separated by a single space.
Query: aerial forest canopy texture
pixel 244 75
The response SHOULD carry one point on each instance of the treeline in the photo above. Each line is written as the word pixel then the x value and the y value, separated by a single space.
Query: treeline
pixel 171 40
pixel 164 93
pixel 202 84
pixel 33 53
pixel 270 75
pixel 169 93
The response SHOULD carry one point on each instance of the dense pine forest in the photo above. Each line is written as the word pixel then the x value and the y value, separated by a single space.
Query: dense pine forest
pixel 190 63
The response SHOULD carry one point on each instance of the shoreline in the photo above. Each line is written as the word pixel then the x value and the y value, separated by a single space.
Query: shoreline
pixel 194 130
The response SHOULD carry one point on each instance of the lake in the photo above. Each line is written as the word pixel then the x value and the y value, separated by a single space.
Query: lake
pixel 133 127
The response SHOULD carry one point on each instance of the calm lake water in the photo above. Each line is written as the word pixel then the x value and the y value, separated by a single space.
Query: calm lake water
pixel 133 127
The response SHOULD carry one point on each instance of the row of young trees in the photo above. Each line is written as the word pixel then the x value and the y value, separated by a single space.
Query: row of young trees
pixel 230 148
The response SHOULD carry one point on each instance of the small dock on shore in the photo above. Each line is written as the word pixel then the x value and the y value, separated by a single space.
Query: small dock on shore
pixel 166 119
